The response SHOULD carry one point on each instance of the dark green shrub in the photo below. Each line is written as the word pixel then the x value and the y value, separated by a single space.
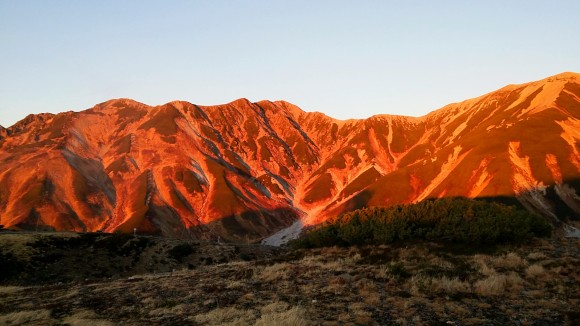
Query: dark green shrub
pixel 457 220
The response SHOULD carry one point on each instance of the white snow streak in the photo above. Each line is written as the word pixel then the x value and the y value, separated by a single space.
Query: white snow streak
pixel 283 236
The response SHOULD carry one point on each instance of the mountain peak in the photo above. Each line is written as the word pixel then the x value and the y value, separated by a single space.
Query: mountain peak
pixel 241 102
pixel 567 75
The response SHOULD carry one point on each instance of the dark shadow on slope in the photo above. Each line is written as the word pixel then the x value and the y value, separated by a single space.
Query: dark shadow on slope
pixel 252 226
pixel 559 200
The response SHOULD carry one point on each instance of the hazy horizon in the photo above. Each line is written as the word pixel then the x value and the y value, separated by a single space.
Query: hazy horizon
pixel 345 59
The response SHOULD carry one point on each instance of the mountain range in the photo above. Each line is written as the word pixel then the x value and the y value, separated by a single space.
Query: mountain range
pixel 243 171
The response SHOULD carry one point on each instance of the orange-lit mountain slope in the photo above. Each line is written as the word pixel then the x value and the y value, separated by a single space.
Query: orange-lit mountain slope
pixel 521 141
pixel 245 170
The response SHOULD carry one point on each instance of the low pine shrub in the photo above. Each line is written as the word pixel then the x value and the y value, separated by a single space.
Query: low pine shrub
pixel 458 220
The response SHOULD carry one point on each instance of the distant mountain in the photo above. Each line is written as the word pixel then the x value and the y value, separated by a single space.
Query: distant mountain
pixel 244 170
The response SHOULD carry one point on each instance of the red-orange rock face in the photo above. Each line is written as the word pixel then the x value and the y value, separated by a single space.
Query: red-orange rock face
pixel 245 170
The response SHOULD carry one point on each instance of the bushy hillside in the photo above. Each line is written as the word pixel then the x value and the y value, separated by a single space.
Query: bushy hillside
pixel 458 220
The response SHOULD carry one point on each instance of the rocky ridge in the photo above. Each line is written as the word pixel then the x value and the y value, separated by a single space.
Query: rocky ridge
pixel 242 171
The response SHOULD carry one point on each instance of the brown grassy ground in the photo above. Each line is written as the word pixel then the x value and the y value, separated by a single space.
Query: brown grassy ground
pixel 417 284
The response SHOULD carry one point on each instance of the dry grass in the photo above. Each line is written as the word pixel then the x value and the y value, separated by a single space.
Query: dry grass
pixel 321 262
pixel 368 292
pixel 235 284
pixel 279 314
pixel 355 258
pixel 494 284
pixel 483 262
pixel 163 311
pixel 27 317
pixel 510 261
pixel 537 256
pixel 276 313
pixel 419 285
pixel 86 317
pixel 383 272
pixel 226 316
pixel 450 286
pixel 514 282
pixel 535 271
pixel 359 314
pixel 276 272
pixel 10 289
pixel 499 284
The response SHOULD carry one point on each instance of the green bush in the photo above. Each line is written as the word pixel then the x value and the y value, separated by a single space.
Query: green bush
pixel 458 220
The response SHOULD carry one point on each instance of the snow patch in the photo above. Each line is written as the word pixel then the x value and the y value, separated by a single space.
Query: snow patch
pixel 460 128
pixel 452 162
pixel 524 184
pixel 522 177
pixel 571 135
pixel 571 232
pixel 544 100
pixel 483 180
pixel 552 164
pixel 283 236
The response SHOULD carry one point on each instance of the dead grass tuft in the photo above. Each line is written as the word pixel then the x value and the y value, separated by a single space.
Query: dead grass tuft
pixel 492 285
pixel 484 262
pixel 368 292
pixel 383 273
pixel 537 256
pixel 279 314
pixel 509 261
pixel 276 272
pixel 353 259
pixel 498 284
pixel 535 271
pixel 450 285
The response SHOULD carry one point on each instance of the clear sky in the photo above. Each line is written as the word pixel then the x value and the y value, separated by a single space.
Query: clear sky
pixel 348 59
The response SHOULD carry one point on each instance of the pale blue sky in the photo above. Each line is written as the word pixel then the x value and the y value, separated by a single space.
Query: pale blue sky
pixel 344 58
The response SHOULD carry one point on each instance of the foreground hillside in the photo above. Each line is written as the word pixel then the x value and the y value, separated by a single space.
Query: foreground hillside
pixel 417 283
pixel 242 171
pixel 48 258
